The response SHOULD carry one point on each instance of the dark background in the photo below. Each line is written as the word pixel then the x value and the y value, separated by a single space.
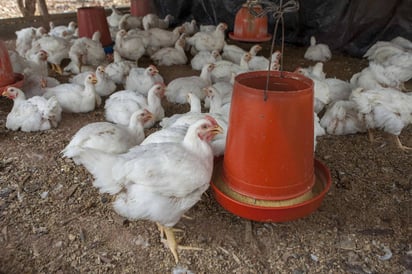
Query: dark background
pixel 347 26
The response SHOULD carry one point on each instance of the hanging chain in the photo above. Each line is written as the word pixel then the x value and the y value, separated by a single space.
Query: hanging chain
pixel 277 12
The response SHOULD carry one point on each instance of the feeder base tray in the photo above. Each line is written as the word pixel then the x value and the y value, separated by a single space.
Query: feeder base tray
pixel 271 211
pixel 18 82
pixel 244 39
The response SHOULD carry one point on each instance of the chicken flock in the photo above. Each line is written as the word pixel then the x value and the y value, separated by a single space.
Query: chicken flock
pixel 152 176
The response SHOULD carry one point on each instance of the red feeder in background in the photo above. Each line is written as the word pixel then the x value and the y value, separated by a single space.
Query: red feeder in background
pixel 92 19
pixel 7 76
pixel 249 28
pixel 141 7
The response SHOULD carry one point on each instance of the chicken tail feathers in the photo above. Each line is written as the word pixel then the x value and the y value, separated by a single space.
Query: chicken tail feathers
pixel 100 164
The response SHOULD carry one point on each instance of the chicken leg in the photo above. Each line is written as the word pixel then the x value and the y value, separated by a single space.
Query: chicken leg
pixel 57 68
pixel 399 144
pixel 171 241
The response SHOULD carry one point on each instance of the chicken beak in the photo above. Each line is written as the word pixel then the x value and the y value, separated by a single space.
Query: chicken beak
pixel 94 80
pixel 5 94
pixel 149 116
pixel 216 130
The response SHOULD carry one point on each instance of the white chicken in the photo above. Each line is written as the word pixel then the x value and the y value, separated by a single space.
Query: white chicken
pixel 156 181
pixel 190 28
pixel 18 62
pixel 161 38
pixel 128 21
pixel 394 71
pixel 219 103
pixel 37 76
pixel 57 49
pixel 382 50
pixel 204 57
pixel 87 51
pixel 62 31
pixel 34 114
pixel 403 42
pixel 224 69
pixel 208 41
pixel 152 20
pixel 37 64
pixel 76 98
pixel 384 108
pixel 178 88
pixel 262 63
pixel 114 18
pixel 207 28
pixel 122 104
pixel 234 53
pixel 318 130
pixel 129 47
pixel 195 108
pixel 317 52
pixel 176 133
pixel 25 38
pixel 169 56
pixel 365 79
pixel 341 118
pixel 142 79
pixel 321 90
pixel 391 71
pixel 339 89
pixel 119 69
pixel 108 137
pixel 174 128
pixel 104 85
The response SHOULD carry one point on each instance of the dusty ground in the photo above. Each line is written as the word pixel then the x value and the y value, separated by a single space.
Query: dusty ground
pixel 53 221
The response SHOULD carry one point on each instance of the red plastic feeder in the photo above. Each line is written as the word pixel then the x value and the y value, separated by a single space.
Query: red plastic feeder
pixel 92 19
pixel 268 172
pixel 7 76
pixel 141 7
pixel 250 28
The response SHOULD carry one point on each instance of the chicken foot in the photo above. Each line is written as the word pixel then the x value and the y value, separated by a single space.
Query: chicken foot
pixel 172 243
pixel 57 68
pixel 399 144
pixel 162 230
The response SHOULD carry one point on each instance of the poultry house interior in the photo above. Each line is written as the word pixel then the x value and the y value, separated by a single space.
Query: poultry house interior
pixel 107 157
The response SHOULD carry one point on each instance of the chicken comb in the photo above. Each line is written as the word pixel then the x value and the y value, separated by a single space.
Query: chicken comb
pixel 211 120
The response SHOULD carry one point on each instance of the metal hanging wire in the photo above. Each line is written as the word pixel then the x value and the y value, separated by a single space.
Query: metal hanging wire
pixel 276 10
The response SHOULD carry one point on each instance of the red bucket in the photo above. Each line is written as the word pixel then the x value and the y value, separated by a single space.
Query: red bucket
pixel 92 19
pixel 141 7
pixel 269 147
pixel 6 69
pixel 7 76
pixel 250 28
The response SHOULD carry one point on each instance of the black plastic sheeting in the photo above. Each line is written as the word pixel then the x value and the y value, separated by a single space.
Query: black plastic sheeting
pixel 347 26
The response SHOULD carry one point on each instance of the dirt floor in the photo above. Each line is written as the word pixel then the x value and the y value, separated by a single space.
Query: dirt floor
pixel 52 220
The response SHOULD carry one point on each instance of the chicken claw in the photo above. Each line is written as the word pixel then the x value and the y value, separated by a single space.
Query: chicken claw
pixel 400 145
pixel 172 243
